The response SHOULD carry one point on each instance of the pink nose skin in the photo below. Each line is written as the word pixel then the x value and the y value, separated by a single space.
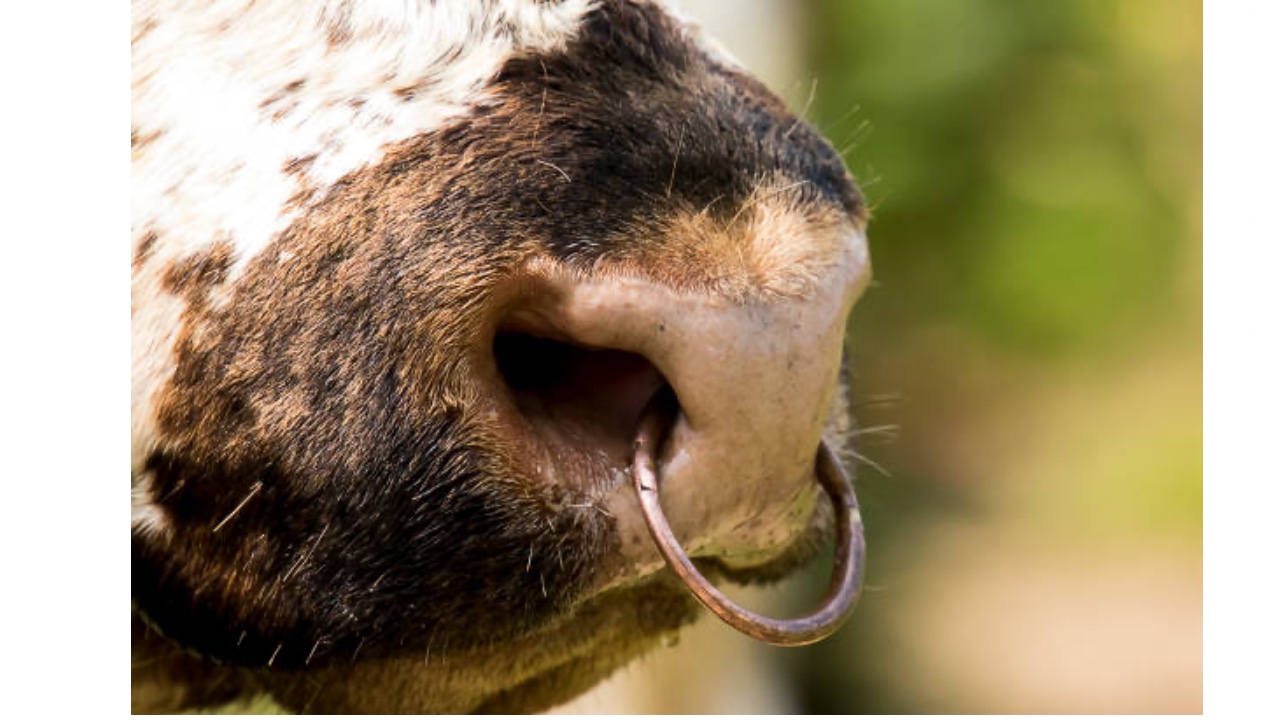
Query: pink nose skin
pixel 755 381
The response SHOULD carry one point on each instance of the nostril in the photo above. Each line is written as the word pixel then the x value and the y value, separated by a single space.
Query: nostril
pixel 578 400
pixel 532 364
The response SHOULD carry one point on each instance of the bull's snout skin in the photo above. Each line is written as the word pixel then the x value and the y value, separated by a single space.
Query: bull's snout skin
pixel 755 384
pixel 755 381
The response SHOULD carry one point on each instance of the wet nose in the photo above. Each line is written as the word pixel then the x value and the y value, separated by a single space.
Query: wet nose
pixel 754 379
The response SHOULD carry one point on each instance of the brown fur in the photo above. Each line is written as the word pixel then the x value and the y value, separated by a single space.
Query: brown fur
pixel 143 251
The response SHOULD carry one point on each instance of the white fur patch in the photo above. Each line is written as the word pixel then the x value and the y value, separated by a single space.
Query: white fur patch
pixel 227 94
pixel 146 517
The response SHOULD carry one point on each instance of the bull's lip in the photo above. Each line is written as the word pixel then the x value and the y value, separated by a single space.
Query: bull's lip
pixel 610 645
pixel 536 670
pixel 530 672
pixel 603 633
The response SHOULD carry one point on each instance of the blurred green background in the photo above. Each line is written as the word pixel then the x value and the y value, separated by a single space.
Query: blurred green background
pixel 1027 363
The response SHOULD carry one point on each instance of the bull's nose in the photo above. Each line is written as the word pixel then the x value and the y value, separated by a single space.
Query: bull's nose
pixel 754 378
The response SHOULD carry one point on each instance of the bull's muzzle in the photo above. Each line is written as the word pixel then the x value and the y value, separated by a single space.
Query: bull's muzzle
pixel 733 396
pixel 850 550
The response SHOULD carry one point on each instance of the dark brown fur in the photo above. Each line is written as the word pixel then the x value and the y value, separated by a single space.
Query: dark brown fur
pixel 194 276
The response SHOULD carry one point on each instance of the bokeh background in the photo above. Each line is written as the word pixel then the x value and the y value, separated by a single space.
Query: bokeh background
pixel 1027 363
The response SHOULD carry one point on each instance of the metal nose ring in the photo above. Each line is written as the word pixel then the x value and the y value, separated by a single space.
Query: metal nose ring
pixel 850 551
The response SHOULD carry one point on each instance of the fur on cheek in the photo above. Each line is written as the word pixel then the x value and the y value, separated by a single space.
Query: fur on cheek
pixel 321 501
pixel 296 484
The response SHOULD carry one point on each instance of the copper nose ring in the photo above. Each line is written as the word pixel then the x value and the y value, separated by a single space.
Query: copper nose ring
pixel 850 550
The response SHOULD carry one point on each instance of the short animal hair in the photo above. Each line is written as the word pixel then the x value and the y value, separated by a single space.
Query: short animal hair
pixel 359 233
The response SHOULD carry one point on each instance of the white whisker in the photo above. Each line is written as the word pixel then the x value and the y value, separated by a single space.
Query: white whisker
pixel 253 491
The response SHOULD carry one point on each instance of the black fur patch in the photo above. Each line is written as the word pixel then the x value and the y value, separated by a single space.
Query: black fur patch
pixel 634 124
